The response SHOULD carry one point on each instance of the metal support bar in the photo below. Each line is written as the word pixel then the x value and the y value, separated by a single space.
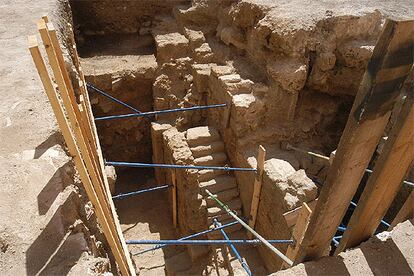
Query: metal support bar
pixel 245 225
pixel 122 196
pixel 156 112
pixel 233 248
pixel 408 183
pixel 190 237
pixel 103 93
pixel 170 166
pixel 353 204
pixel 203 242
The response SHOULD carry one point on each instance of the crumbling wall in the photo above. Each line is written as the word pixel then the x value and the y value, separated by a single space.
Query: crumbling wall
pixel 105 17
pixel 192 211
pixel 127 139
pixel 283 190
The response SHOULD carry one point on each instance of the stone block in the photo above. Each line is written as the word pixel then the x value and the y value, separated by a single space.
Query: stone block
pixel 289 74
pixel 171 46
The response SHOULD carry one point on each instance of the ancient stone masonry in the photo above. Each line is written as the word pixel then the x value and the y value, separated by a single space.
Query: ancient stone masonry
pixel 288 73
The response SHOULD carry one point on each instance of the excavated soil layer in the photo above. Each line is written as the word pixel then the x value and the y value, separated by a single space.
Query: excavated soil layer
pixel 284 80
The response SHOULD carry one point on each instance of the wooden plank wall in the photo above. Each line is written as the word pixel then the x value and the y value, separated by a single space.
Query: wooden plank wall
pixel 387 177
pixel 387 70
pixel 78 129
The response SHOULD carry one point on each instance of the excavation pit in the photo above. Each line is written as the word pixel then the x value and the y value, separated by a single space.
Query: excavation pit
pixel 295 87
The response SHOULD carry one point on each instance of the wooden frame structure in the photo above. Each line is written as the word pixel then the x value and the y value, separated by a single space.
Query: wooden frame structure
pixel 78 129
pixel 379 90
pixel 388 69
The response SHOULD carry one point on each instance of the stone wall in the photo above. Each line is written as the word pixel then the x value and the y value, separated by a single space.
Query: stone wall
pixel 106 17
pixel 172 148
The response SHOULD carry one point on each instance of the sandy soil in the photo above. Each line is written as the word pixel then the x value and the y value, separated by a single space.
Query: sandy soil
pixel 146 217
pixel 37 205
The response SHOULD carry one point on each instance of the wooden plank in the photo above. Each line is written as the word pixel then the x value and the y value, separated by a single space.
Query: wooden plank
pixel 105 179
pixel 69 90
pixel 74 151
pixel 406 211
pixel 105 185
pixel 227 110
pixel 291 217
pixel 174 196
pixel 61 61
pixel 302 222
pixel 365 126
pixel 387 177
pixel 77 131
pixel 257 188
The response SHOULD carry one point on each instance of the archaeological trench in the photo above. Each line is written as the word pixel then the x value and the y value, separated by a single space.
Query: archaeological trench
pixel 288 73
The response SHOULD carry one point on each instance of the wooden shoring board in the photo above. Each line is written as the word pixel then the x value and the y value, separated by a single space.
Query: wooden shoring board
pixel 365 126
pixel 85 94
pixel 75 153
pixel 84 125
pixel 291 217
pixel 174 196
pixel 302 222
pixel 387 176
pixel 100 161
pixel 98 186
pixel 61 61
pixel 257 188
pixel 406 211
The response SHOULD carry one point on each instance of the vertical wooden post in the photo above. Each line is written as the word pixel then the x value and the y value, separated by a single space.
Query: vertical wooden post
pixel 174 197
pixel 379 90
pixel 298 232
pixel 226 112
pixel 257 188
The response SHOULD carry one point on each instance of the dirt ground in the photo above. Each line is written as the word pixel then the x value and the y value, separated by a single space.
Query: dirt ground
pixel 145 217
pixel 38 203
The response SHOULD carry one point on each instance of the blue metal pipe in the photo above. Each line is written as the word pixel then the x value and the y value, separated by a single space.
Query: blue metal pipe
pixel 353 204
pixel 156 112
pixel 408 183
pixel 233 248
pixel 103 93
pixel 203 242
pixel 122 196
pixel 189 237
pixel 170 166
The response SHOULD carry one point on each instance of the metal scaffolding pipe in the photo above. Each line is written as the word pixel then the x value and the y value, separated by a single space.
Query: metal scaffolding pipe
pixel 189 237
pixel 103 93
pixel 233 248
pixel 171 166
pixel 157 112
pixel 203 242
pixel 122 196
pixel 408 183
pixel 245 225
pixel 353 204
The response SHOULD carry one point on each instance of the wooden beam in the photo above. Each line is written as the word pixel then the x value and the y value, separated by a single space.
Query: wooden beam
pixel 387 177
pixel 406 211
pixel 174 197
pixel 365 126
pixel 257 188
pixel 74 152
pixel 302 222
pixel 291 217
